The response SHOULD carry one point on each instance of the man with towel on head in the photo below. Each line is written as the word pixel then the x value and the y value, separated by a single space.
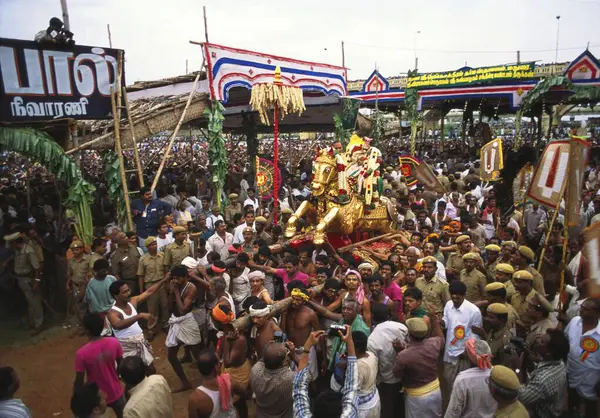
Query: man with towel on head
pixel 416 366
pixel 183 329
pixel 263 328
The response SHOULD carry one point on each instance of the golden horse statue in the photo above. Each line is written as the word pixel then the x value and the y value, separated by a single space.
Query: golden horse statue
pixel 340 215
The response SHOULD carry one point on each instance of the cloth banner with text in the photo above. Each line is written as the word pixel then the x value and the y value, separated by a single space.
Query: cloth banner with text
pixel 265 177
pixel 550 176
pixel 580 151
pixel 415 171
pixel 51 81
pixel 492 160
pixel 592 256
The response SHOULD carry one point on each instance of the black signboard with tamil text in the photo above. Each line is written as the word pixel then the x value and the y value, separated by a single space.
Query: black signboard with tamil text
pixel 51 81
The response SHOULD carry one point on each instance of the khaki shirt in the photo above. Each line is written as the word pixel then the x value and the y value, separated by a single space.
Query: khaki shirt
pixel 26 261
pixel 37 248
pixel 539 328
pixel 79 270
pixel 151 268
pixel 491 271
pixel 521 305
pixel 538 281
pixel 475 282
pixel 93 258
pixel 497 341
pixel 124 262
pixel 455 262
pixel 231 210
pixel 513 316
pixel 435 292
pixel 175 253
pixel 514 410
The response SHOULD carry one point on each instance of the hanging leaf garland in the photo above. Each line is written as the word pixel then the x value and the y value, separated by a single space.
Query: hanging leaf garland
pixel 112 174
pixel 289 99
pixel 217 154
pixel 43 149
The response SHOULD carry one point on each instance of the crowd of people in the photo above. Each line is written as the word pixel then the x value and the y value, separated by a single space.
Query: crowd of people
pixel 459 315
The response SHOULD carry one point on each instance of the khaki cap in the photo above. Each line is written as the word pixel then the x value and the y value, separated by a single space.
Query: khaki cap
pixel 417 327
pixel 523 275
pixel 505 378
pixel 493 247
pixel 497 308
pixel 149 241
pixel 462 238
pixel 494 286
pixel 505 268
pixel 527 252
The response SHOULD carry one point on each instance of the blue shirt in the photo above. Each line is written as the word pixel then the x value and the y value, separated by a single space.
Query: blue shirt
pixel 97 295
pixel 147 218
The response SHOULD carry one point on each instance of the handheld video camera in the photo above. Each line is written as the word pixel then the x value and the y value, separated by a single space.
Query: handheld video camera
pixel 333 330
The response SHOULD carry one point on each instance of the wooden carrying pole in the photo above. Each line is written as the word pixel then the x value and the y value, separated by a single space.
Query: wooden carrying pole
pixel 138 164
pixel 115 98
pixel 176 131
pixel 89 143
pixel 556 209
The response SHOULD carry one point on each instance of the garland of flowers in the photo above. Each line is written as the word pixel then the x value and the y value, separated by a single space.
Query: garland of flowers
pixel 217 154
pixel 43 149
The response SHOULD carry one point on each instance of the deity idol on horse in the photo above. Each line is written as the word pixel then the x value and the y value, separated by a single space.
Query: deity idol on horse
pixel 347 192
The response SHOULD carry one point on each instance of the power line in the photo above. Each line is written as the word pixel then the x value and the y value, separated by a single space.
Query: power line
pixel 448 51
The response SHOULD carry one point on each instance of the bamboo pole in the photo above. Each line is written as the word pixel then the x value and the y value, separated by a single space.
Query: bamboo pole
pixel 136 154
pixel 89 143
pixel 556 209
pixel 243 323
pixel 115 97
pixel 367 241
pixel 176 131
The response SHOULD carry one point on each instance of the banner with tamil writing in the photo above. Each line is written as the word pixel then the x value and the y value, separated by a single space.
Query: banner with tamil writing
pixel 492 160
pixel 580 151
pixel 592 257
pixel 52 81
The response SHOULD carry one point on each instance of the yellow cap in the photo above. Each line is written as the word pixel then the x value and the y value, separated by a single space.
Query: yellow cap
pixel 497 308
pixel 417 327
pixel 11 237
pixel 492 247
pixel 523 275
pixel 233 196
pixel 462 238
pixel 511 244
pixel 505 268
pixel 179 229
pixel 505 378
pixel 470 256
pixel 287 210
pixel 76 244
pixel 149 241
pixel 527 252
pixel 429 259
pixel 494 286
pixel 260 220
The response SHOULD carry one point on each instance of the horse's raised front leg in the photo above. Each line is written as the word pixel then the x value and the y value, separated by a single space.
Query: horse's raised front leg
pixel 290 231
pixel 319 237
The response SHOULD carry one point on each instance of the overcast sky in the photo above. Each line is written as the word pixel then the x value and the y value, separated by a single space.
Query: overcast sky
pixel 155 33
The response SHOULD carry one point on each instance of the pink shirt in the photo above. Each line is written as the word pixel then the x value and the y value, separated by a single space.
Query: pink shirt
pixel 303 277
pixel 98 359
pixel 395 293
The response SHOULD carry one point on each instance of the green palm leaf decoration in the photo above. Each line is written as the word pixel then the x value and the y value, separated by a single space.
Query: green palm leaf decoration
pixel 40 147
pixel 411 101
pixel 217 154
pixel 112 174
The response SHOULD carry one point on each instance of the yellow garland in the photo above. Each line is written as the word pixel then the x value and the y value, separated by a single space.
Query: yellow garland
pixel 264 96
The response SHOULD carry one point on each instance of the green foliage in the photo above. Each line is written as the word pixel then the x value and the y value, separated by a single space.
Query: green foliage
pixel 411 102
pixel 43 149
pixel 217 154
pixel 340 133
pixel 112 174
pixel 345 121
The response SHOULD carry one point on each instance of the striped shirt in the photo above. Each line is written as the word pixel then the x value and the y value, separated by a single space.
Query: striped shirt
pixel 349 392
pixel 543 395
pixel 14 408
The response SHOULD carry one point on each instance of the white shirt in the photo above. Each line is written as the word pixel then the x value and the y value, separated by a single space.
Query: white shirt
pixel 238 237
pixel 161 243
pixel 471 397
pixel 241 286
pixel 380 344
pixel 583 367
pixel 458 328
pixel 253 202
pixel 210 221
pixel 220 245
pixel 151 398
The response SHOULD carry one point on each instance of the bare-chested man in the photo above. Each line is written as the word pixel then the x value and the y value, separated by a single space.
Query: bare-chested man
pixel 183 329
pixel 299 321
pixel 264 328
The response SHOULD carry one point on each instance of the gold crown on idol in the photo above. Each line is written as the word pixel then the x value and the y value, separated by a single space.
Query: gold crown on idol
pixel 325 156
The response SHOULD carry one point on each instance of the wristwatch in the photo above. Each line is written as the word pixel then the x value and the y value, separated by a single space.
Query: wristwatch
pixel 301 350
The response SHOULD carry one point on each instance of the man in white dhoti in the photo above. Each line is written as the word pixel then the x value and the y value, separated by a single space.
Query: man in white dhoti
pixel 123 318
pixel 416 364
pixel 183 328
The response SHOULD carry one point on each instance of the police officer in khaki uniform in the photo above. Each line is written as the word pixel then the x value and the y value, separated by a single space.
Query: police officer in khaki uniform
pixel 455 263
pixel 176 251
pixel 496 334
pixel 27 273
pixel 492 251
pixel 78 274
pixel 504 273
pixel 98 252
pixel 523 281
pixel 521 260
pixel 504 386
pixel 150 272
pixel 472 278
pixel 497 293
pixel 124 262
pixel 435 291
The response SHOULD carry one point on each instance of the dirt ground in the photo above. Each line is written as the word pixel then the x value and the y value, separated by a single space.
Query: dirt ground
pixel 45 365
